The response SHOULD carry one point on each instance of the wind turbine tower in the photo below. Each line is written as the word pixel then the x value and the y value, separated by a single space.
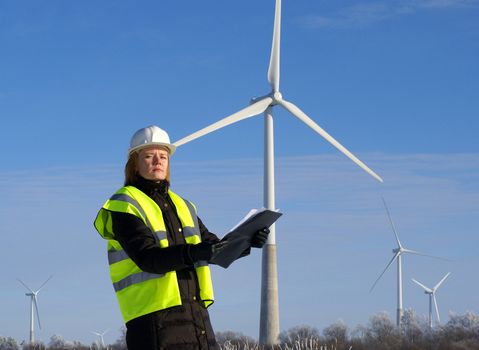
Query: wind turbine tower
pixel 33 308
pixel 269 316
pixel 432 297
pixel 398 257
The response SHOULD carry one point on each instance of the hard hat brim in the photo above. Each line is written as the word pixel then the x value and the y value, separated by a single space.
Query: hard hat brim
pixel 171 148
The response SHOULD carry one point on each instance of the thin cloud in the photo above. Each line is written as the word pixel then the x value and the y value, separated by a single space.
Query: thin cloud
pixel 440 185
pixel 293 174
pixel 447 3
pixel 366 14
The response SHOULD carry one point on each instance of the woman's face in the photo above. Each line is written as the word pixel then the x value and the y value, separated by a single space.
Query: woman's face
pixel 152 163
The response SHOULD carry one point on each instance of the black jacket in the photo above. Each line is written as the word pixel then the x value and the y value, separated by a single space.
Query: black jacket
pixel 184 327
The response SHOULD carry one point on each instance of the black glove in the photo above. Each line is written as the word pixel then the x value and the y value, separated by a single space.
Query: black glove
pixel 260 238
pixel 200 251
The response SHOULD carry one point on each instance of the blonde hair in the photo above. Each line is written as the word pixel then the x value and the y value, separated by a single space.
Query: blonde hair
pixel 131 171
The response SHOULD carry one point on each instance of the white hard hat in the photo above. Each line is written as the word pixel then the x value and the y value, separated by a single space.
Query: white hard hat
pixel 150 136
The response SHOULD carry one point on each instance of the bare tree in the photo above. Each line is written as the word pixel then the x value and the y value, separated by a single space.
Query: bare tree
pixel 382 333
pixel 34 346
pixel 7 343
pixel 416 332
pixel 120 343
pixel 460 332
pixel 58 343
pixel 337 334
pixel 235 339
pixel 295 334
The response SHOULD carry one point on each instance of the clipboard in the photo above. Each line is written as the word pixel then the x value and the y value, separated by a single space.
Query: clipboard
pixel 239 238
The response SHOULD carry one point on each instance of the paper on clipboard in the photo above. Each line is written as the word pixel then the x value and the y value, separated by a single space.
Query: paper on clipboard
pixel 238 239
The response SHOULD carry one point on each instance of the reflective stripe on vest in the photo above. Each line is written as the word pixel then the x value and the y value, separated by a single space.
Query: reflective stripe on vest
pixel 139 292
pixel 133 279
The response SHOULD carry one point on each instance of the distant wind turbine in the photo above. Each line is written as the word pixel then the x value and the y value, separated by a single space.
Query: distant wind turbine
pixel 432 297
pixel 100 335
pixel 269 317
pixel 33 308
pixel 398 256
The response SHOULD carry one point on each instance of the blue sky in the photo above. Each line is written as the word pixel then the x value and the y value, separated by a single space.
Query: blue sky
pixel 395 81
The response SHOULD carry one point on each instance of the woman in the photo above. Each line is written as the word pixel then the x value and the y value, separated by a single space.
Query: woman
pixel 158 252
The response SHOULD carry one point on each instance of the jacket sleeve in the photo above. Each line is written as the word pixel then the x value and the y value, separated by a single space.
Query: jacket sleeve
pixel 139 243
pixel 206 235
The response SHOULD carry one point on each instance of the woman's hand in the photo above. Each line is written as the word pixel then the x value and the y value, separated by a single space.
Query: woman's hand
pixel 201 251
pixel 260 238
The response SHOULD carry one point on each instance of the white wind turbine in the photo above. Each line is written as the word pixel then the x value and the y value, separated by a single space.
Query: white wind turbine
pixel 398 256
pixel 269 318
pixel 432 297
pixel 33 308
pixel 100 335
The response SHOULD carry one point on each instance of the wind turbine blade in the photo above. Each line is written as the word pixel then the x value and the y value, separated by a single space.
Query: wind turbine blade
pixel 392 223
pixel 273 70
pixel 441 281
pixel 437 309
pixel 49 278
pixel 422 285
pixel 250 111
pixel 25 285
pixel 36 308
pixel 405 250
pixel 309 122
pixel 382 273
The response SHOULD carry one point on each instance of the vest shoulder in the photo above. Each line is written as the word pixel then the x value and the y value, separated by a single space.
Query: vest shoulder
pixel 175 196
pixel 130 190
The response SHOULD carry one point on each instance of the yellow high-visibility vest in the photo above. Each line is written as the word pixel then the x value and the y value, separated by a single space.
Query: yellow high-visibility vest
pixel 139 292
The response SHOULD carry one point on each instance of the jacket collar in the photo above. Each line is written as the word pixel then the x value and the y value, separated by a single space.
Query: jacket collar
pixel 152 187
